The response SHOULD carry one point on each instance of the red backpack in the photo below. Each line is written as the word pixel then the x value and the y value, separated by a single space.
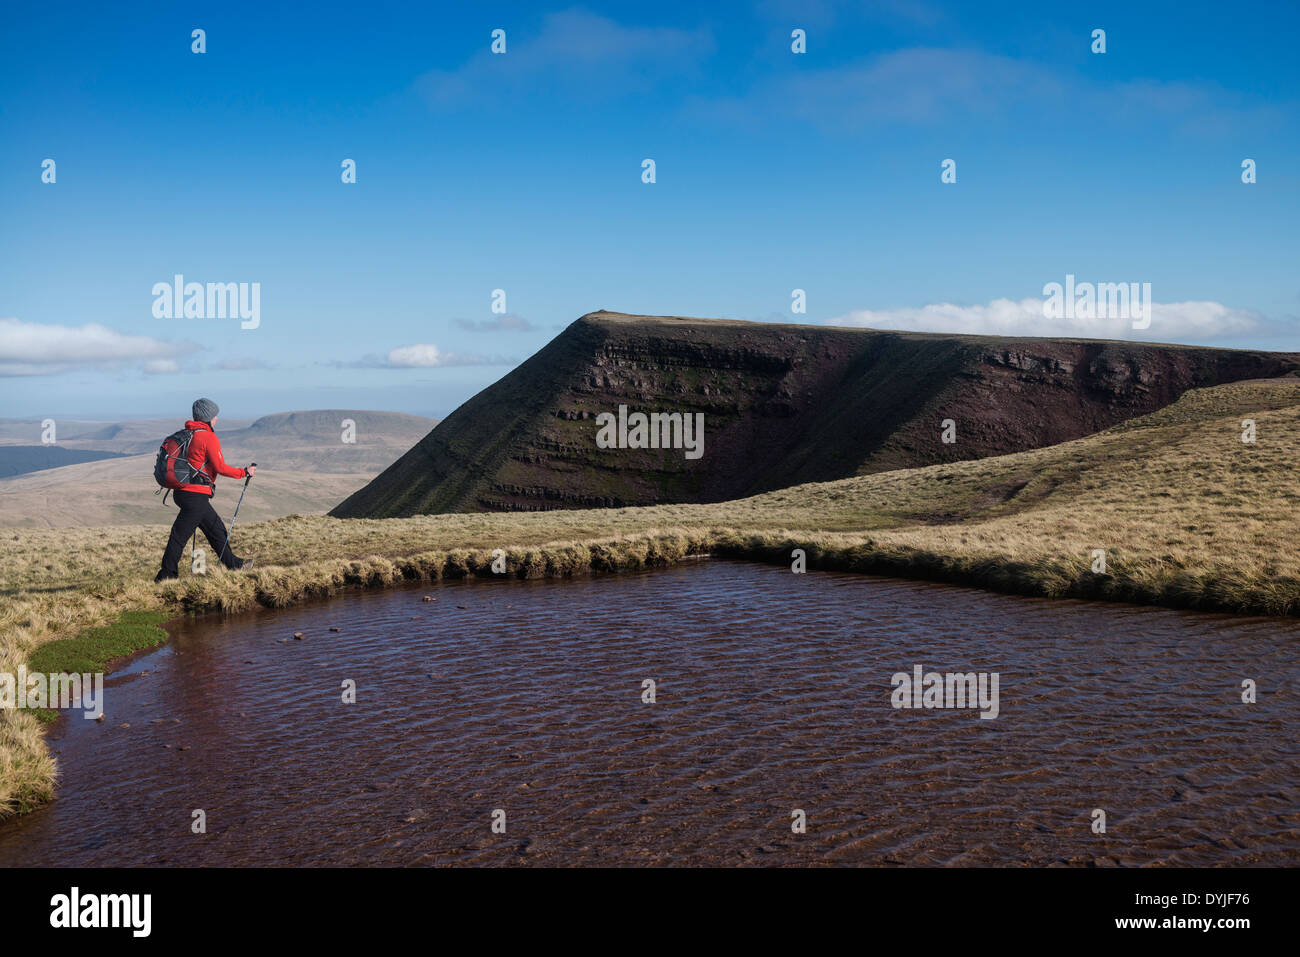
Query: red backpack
pixel 172 468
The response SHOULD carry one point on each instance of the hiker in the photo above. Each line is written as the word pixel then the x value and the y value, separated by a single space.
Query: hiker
pixel 195 498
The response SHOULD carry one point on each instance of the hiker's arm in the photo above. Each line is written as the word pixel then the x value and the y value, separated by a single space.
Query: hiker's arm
pixel 218 463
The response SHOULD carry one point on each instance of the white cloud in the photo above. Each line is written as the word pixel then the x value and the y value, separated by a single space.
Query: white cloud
pixel 33 348
pixel 1007 317
pixel 161 367
pixel 419 356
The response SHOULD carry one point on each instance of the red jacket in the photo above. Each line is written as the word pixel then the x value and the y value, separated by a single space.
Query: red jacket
pixel 205 454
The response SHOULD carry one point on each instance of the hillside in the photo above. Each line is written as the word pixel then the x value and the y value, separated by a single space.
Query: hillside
pixel 782 404
pixel 305 467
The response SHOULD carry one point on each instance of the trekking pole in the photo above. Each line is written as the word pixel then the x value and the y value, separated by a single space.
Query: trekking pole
pixel 247 479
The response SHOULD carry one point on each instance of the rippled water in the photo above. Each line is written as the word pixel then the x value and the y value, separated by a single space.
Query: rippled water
pixel 773 694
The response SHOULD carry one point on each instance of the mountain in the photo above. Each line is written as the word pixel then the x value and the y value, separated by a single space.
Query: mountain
pixel 782 405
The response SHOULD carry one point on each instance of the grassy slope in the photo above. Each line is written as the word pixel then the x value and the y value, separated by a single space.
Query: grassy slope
pixel 1189 515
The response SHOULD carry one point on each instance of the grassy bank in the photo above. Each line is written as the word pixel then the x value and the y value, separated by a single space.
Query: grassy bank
pixel 1188 516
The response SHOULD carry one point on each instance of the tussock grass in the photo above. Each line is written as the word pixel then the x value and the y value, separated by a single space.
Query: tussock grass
pixel 1189 516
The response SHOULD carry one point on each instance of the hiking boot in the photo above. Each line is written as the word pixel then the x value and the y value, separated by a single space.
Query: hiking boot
pixel 164 577
pixel 242 565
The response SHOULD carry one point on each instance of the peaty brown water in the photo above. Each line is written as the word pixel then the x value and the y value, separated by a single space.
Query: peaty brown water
pixel 773 695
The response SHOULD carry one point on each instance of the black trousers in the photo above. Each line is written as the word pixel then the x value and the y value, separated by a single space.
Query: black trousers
pixel 196 512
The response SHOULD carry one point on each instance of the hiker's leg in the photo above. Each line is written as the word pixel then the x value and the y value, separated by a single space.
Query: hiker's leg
pixel 188 520
pixel 214 529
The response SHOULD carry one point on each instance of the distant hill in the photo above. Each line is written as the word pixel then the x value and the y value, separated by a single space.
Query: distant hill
pixel 21 459
pixel 130 438
pixel 314 440
pixel 783 405
pixel 304 467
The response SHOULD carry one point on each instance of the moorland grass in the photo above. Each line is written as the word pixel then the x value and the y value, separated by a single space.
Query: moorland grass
pixel 1188 515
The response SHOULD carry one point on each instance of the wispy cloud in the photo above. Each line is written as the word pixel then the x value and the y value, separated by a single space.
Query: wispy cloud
pixel 588 55
pixel 925 86
pixel 33 348
pixel 1007 317
pixel 508 322
pixel 1204 108
pixel 242 364
pixel 915 86
pixel 823 13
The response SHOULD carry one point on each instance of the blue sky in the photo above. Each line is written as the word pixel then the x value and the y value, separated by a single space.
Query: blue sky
pixel 523 171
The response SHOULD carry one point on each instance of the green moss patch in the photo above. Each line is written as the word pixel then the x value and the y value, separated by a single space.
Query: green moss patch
pixel 92 650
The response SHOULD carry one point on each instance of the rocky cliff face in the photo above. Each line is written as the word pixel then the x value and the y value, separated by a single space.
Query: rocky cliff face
pixel 782 404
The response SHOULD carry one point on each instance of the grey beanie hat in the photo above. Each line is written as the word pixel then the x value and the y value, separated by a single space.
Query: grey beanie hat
pixel 205 410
